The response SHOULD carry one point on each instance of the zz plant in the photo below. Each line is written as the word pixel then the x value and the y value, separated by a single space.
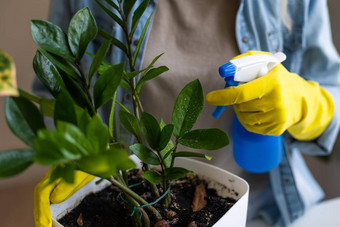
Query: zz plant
pixel 79 140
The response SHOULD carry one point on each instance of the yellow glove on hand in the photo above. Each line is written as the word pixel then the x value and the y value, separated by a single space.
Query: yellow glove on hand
pixel 278 101
pixel 56 192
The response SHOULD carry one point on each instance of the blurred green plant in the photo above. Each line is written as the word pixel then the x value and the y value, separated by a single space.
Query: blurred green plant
pixel 80 140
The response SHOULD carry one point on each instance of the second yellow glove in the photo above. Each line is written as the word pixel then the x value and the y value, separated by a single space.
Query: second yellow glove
pixel 56 192
pixel 279 101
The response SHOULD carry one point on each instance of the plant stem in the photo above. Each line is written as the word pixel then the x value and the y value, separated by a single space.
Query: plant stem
pixel 84 82
pixel 136 197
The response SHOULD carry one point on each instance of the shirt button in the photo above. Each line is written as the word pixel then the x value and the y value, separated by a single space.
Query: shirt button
pixel 135 42
pixel 244 39
pixel 127 96
pixel 277 49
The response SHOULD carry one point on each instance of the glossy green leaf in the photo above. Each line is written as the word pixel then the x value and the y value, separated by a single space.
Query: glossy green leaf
pixel 188 107
pixel 140 41
pixel 152 73
pixel 47 73
pixel 111 14
pixel 51 38
pixel 175 173
pixel 66 172
pixel 81 31
pixel 125 85
pixel 143 71
pixel 64 109
pixel 191 154
pixel 78 94
pixel 145 154
pixel 19 112
pixel 13 162
pixel 98 59
pixel 127 6
pixel 63 64
pixel 165 137
pixel 130 123
pixel 114 41
pixel 98 134
pixel 137 15
pixel 152 176
pixel 107 84
pixel 208 139
pixel 150 129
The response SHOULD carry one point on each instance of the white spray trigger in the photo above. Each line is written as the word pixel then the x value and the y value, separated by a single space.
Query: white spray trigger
pixel 250 67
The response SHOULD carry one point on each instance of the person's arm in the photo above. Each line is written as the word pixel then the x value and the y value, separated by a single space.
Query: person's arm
pixel 321 63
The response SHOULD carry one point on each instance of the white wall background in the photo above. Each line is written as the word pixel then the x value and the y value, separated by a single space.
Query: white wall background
pixel 15 39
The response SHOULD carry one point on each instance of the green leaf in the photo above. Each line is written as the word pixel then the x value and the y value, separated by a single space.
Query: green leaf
pixel 141 39
pixel 144 71
pixel 145 154
pixel 165 136
pixel 165 152
pixel 19 112
pixel 152 176
pixel 127 6
pixel 208 139
pixel 152 73
pixel 191 154
pixel 107 84
pixel 150 129
pixel 98 59
pixel 46 148
pixel 125 85
pixel 72 135
pixel 64 109
pixel 63 64
pixel 112 116
pixel 13 162
pixel 98 134
pixel 47 107
pixel 83 118
pixel 77 93
pixel 111 14
pixel 107 163
pixel 130 123
pixel 51 38
pixel 137 15
pixel 188 107
pixel 47 73
pixel 66 172
pixel 114 5
pixel 175 172
pixel 114 41
pixel 81 31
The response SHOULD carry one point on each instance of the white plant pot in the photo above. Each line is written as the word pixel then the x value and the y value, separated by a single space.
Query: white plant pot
pixel 226 184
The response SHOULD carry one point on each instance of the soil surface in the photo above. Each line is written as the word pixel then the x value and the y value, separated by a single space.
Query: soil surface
pixel 108 207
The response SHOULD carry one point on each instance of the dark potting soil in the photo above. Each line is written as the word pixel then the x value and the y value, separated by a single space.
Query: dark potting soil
pixel 108 208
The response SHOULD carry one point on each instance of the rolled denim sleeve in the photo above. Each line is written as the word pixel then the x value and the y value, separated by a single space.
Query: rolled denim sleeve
pixel 321 63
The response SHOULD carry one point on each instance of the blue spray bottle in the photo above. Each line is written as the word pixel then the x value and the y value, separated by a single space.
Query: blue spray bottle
pixel 253 152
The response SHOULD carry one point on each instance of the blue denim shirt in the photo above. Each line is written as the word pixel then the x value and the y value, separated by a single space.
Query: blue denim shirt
pixel 310 53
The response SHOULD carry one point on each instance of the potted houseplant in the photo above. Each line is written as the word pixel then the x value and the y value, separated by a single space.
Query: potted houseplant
pixel 79 140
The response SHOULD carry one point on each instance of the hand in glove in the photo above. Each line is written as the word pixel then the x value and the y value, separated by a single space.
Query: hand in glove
pixel 278 101
pixel 56 192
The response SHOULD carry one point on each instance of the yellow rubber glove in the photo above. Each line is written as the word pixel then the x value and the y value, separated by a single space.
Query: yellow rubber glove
pixel 278 101
pixel 56 192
